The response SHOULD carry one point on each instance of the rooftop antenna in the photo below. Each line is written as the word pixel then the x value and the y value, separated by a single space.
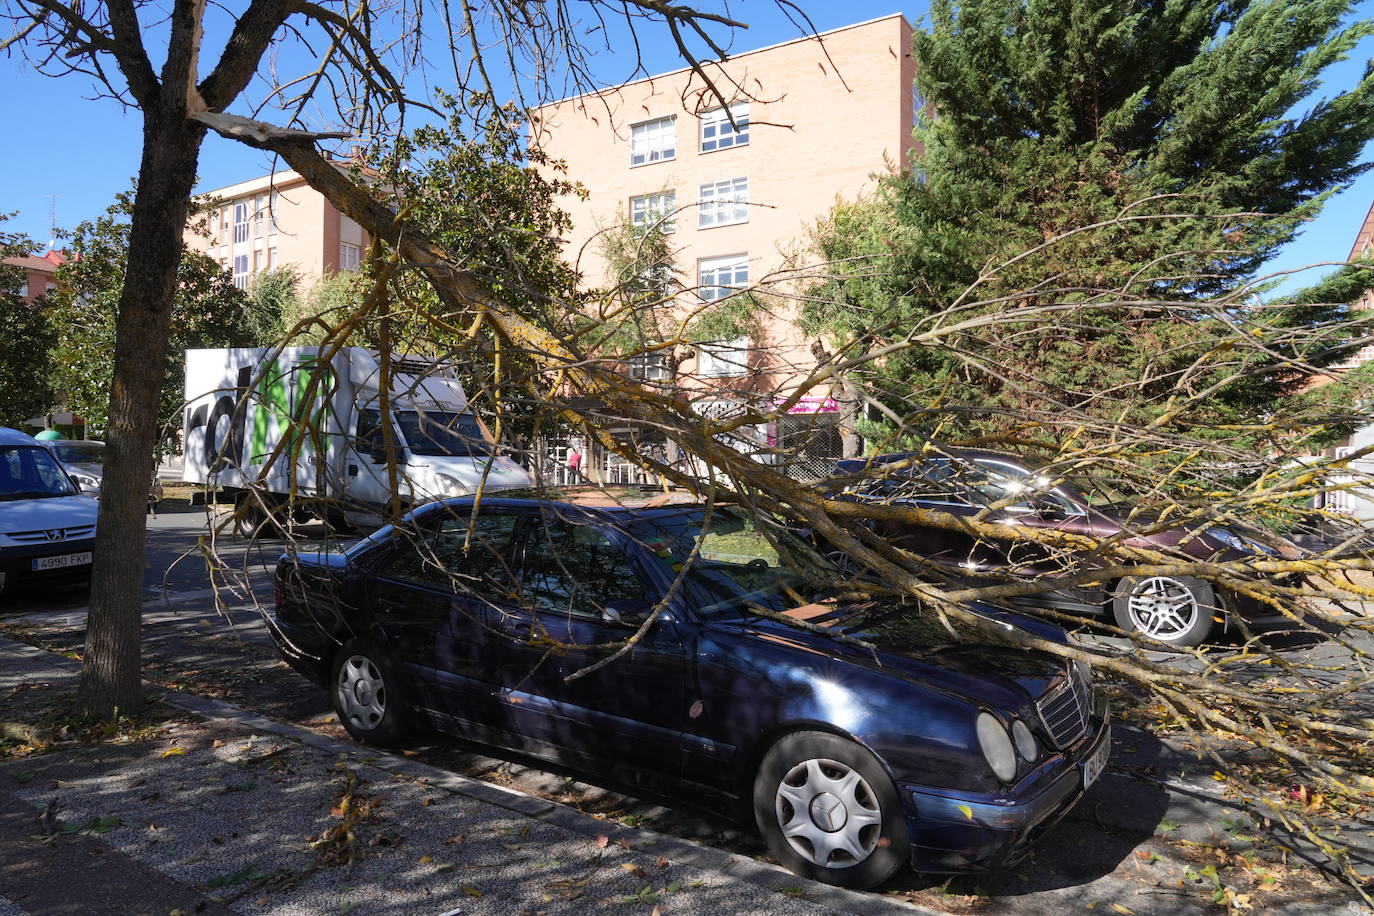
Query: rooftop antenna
pixel 52 221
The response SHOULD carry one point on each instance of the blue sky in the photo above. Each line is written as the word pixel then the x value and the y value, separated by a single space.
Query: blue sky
pixel 83 151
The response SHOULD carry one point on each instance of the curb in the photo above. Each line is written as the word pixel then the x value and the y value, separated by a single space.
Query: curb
pixel 738 867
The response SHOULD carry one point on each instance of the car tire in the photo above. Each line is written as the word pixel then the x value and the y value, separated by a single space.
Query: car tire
pixel 251 521
pixel 1175 610
pixel 368 694
pixel 829 811
pixel 843 561
pixel 248 518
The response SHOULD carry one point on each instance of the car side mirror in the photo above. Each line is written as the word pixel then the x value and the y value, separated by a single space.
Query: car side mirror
pixel 627 612
pixel 379 453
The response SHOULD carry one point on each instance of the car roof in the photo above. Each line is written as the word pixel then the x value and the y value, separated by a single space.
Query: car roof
pixel 15 437
pixel 608 499
pixel 875 462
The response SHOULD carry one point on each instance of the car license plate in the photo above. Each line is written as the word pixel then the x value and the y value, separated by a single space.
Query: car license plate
pixel 1094 765
pixel 62 562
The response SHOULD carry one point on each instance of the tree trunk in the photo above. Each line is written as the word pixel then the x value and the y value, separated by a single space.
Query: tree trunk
pixel 111 672
pixel 851 443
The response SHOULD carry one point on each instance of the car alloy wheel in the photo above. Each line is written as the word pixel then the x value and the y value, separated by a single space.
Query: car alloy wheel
pixel 828 813
pixel 369 695
pixel 1170 609
pixel 361 692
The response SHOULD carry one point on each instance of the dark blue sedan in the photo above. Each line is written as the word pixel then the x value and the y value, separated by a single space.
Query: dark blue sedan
pixel 689 648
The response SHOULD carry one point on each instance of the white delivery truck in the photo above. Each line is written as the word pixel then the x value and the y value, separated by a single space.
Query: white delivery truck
pixel 267 423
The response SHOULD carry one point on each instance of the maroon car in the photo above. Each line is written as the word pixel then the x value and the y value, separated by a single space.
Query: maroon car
pixel 1176 609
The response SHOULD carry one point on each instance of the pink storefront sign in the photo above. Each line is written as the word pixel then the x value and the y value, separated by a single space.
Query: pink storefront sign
pixel 812 403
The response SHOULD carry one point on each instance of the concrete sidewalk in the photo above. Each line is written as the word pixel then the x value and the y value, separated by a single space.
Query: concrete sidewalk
pixel 231 812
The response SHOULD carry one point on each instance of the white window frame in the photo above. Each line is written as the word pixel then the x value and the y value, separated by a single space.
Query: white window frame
pixel 241 271
pixel 723 203
pixel 350 256
pixel 648 367
pixel 653 141
pixel 721 277
pixel 241 221
pixel 717 133
pixel 654 210
pixel 723 358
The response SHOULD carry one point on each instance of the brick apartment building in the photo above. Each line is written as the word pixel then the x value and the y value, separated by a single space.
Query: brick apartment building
pixel 40 273
pixel 1351 491
pixel 1364 248
pixel 40 278
pixel 276 220
pixel 813 121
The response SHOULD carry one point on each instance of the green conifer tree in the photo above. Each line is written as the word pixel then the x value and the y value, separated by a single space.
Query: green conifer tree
pixel 1098 184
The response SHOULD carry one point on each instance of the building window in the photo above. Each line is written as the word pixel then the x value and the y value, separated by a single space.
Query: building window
pixel 349 256
pixel 721 277
pixel 653 141
pixel 718 133
pixel 241 271
pixel 272 259
pixel 654 210
pixel 240 222
pixel 723 203
pixel 726 357
pixel 648 367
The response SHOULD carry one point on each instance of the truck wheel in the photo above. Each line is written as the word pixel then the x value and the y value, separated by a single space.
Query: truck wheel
pixel 1177 610
pixel 368 694
pixel 829 811
pixel 251 520
pixel 248 518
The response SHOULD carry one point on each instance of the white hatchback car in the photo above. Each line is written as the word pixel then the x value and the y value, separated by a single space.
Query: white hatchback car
pixel 47 527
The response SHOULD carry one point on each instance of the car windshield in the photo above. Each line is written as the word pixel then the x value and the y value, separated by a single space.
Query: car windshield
pixel 31 472
pixel 731 562
pixel 79 452
pixel 433 432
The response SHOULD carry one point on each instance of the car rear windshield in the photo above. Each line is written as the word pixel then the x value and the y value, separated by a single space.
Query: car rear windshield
pixel 31 472
pixel 729 561
pixel 80 452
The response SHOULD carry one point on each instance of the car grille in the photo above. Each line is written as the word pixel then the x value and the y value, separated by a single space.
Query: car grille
pixel 53 535
pixel 1065 709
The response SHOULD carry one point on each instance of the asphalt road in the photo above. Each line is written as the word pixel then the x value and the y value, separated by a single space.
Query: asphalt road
pixel 179 540
pixel 1109 850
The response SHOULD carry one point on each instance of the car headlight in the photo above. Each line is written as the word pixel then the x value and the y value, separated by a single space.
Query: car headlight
pixel 1240 542
pixel 997 747
pixel 449 485
pixel 1025 742
pixel 88 483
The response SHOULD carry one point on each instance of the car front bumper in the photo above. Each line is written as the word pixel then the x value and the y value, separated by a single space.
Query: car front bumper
pixel 17 561
pixel 953 832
